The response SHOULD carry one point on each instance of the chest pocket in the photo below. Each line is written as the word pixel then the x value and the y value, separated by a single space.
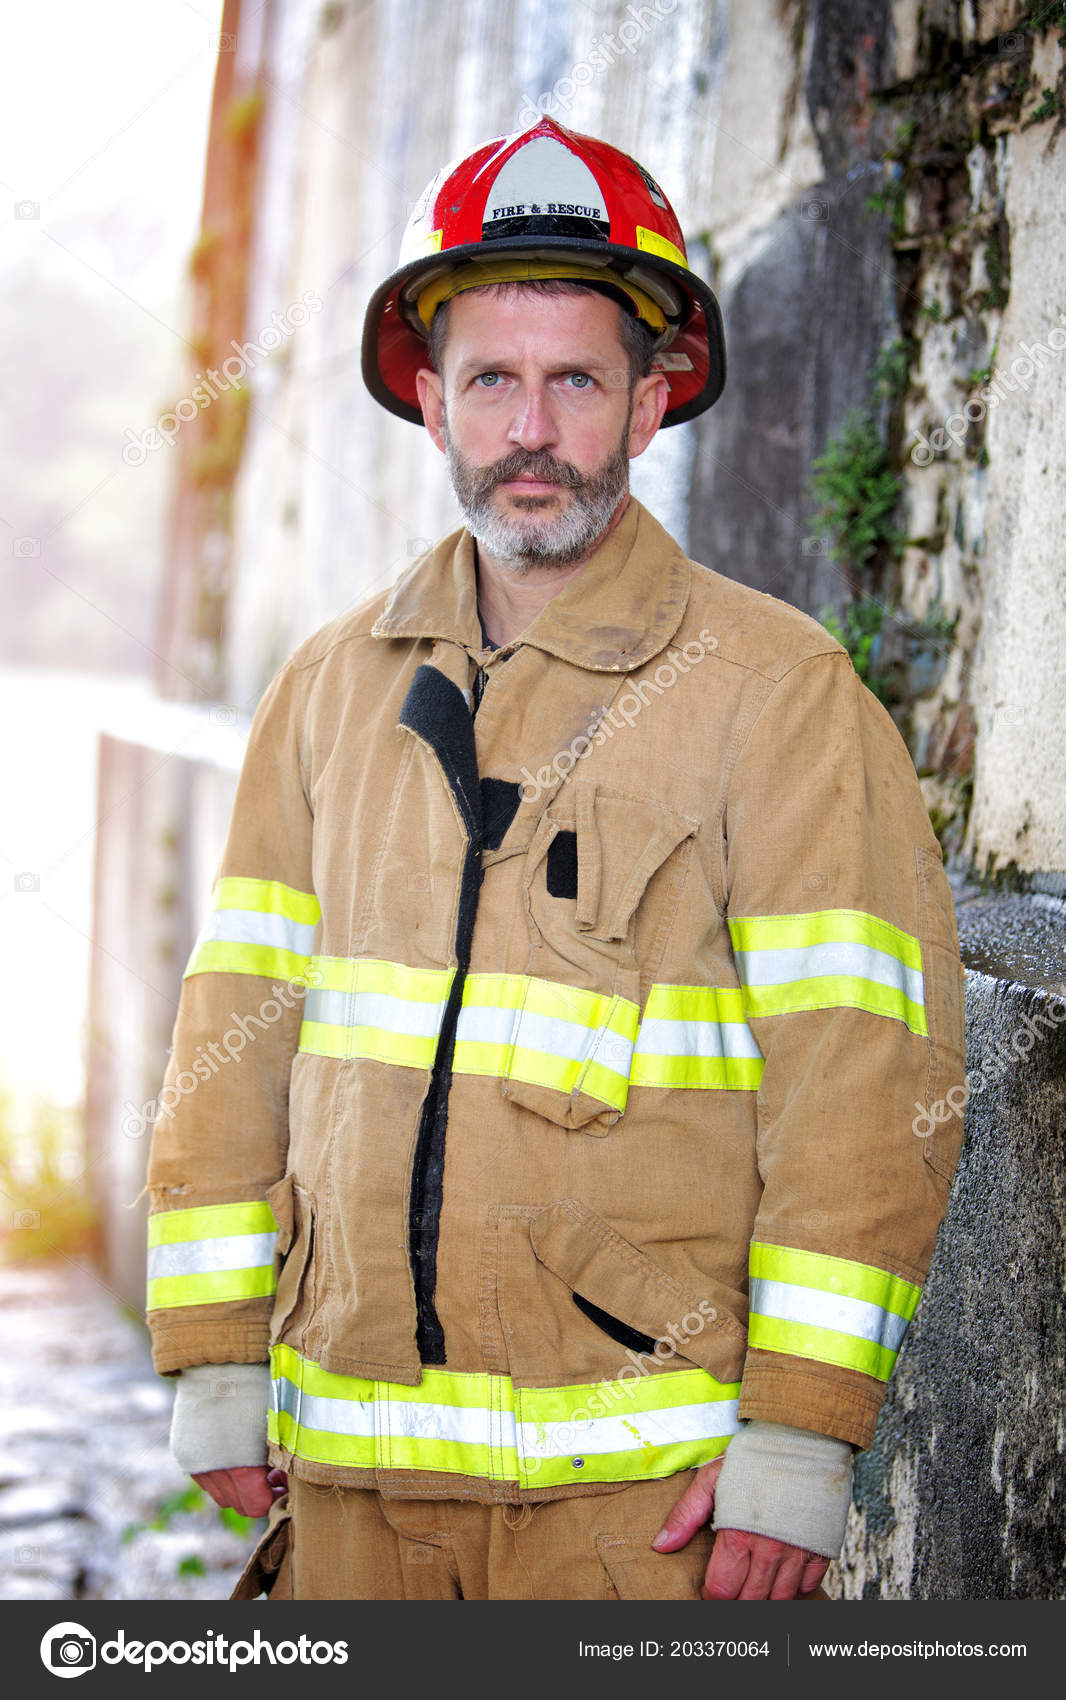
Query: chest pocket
pixel 599 890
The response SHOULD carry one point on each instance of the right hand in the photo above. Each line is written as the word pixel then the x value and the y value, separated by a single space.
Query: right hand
pixel 250 1489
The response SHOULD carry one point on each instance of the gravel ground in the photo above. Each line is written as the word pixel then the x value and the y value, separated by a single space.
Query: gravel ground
pixel 84 1458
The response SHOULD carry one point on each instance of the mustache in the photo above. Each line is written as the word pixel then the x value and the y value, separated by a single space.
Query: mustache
pixel 521 463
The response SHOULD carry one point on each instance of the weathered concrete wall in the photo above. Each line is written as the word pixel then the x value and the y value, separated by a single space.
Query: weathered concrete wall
pixel 960 1496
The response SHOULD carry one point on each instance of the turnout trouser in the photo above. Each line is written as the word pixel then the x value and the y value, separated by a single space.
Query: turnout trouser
pixel 332 1543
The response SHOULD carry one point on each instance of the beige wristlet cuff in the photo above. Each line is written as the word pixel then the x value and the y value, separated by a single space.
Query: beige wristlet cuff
pixel 219 1417
pixel 789 1483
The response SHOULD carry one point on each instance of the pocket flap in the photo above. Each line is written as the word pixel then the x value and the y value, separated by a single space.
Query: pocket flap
pixel 621 841
pixel 595 1261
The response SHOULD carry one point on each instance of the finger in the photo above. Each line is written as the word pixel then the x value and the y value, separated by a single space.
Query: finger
pixel 251 1491
pixel 208 1481
pixel 788 1580
pixel 728 1568
pixel 813 1573
pixel 691 1511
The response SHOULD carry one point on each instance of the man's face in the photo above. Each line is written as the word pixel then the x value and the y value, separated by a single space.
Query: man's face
pixel 537 416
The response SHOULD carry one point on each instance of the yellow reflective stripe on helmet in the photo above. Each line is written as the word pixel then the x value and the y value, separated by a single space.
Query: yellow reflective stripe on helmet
pixel 650 242
pixel 831 1309
pixel 830 959
pixel 256 927
pixel 696 1036
pixel 479 1424
pixel 210 1254
pixel 519 1027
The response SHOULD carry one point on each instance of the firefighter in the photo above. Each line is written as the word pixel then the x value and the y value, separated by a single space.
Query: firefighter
pixel 548 1212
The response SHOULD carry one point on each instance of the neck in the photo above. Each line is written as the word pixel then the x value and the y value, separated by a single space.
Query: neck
pixel 509 599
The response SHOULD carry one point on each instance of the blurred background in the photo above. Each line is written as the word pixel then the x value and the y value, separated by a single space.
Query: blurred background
pixel 196 201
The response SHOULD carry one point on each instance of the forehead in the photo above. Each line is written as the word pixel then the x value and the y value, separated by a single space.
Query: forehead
pixel 578 325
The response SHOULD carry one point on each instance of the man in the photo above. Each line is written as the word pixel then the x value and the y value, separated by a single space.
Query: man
pixel 579 1199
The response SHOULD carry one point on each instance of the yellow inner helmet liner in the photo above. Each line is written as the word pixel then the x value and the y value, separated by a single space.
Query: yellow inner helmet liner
pixel 476 274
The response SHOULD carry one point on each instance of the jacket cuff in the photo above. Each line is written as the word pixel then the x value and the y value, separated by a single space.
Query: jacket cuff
pixel 178 1345
pixel 220 1416
pixel 810 1395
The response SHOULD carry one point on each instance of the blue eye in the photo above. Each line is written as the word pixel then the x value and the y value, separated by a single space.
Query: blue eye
pixel 580 379
pixel 488 379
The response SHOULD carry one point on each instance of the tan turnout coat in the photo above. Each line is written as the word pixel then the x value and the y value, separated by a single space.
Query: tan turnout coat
pixel 623 997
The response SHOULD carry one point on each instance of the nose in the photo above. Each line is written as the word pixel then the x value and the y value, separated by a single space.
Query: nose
pixel 532 424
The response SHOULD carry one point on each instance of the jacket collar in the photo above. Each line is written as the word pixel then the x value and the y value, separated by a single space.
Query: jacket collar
pixel 622 608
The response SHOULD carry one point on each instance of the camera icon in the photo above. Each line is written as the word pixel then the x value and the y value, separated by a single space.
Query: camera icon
pixel 420 1555
pixel 27 1555
pixel 816 881
pixel 27 1219
pixel 27 882
pixel 1010 44
pixel 224 1388
pixel 418 546
pixel 26 547
pixel 816 210
pixel 617 378
pixel 68 1649
pixel 27 209
pixel 816 546
pixel 223 717
pixel 224 43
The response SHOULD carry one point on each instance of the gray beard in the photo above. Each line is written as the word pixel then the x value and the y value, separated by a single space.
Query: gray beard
pixel 525 540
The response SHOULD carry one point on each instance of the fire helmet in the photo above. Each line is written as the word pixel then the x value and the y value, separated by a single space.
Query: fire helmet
pixel 546 202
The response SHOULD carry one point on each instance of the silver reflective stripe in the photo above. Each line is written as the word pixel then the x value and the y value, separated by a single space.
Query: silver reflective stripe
pixel 201 1257
pixel 662 1037
pixel 792 1303
pixel 666 1427
pixel 820 961
pixel 415 1419
pixel 374 1009
pixel 258 926
pixel 551 1033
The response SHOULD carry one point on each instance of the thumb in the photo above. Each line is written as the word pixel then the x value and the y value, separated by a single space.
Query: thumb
pixel 692 1510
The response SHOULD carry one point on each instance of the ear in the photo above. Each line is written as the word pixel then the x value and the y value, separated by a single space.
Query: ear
pixel 650 396
pixel 431 401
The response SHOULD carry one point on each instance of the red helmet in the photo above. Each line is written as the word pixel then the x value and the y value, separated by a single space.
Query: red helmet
pixel 545 202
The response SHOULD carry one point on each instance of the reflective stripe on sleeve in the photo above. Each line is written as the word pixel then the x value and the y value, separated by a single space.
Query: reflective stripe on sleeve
pixel 479 1424
pixel 696 1036
pixel 257 927
pixel 831 1309
pixel 383 1011
pixel 833 958
pixel 210 1255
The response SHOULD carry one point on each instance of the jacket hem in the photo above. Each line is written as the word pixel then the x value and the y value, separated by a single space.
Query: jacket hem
pixel 427 1484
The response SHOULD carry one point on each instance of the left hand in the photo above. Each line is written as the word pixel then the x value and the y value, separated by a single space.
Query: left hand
pixel 743 1566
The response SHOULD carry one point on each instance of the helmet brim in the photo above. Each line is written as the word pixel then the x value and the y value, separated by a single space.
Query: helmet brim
pixel 694 362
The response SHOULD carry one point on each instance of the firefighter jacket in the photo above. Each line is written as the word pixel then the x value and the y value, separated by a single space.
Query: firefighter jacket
pixel 543 1089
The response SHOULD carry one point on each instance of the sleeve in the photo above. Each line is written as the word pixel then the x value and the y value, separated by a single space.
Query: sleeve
pixel 220 1136
pixel 843 933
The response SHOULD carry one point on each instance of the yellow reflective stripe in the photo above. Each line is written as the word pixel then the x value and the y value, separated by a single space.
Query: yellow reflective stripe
pixel 831 1309
pixel 210 1221
pixel 256 927
pixel 214 1288
pixel 824 1345
pixel 479 1424
pixel 377 1010
pixel 652 243
pixel 829 959
pixel 221 956
pixel 520 1027
pixel 269 897
pixel 835 1275
pixel 696 1036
